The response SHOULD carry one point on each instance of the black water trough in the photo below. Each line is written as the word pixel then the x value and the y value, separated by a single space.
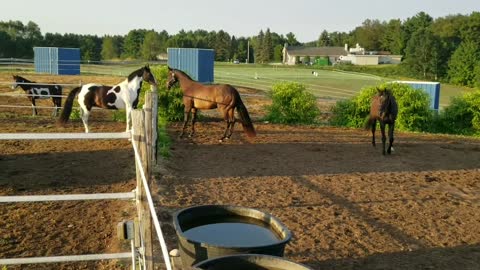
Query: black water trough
pixel 249 262
pixel 210 231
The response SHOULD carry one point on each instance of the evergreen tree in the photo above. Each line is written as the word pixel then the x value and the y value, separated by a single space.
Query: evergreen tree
pixel 422 54
pixel 151 46
pixel 412 25
pixel 257 47
pixel 292 40
pixel 464 63
pixel 324 39
pixel 278 53
pixel 392 37
pixel 267 47
pixel 109 48
pixel 132 44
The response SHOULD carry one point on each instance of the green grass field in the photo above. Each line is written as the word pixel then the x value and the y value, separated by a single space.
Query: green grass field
pixel 328 84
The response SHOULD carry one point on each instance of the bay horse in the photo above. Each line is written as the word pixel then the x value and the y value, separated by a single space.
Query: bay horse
pixel 383 108
pixel 223 97
pixel 40 91
pixel 124 95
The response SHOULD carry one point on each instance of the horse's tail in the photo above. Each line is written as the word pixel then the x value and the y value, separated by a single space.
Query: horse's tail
pixel 67 107
pixel 369 123
pixel 245 117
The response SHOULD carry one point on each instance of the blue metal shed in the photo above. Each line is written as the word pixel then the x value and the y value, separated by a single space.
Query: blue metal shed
pixel 198 63
pixel 431 88
pixel 59 61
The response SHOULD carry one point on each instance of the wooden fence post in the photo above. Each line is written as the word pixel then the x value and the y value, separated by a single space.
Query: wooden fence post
pixel 139 138
pixel 151 125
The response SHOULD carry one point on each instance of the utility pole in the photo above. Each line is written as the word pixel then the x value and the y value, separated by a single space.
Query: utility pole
pixel 248 51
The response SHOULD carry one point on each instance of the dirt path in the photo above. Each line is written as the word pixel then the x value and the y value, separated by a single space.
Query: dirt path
pixel 347 206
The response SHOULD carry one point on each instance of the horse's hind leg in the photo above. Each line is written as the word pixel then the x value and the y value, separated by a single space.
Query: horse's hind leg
pixel 391 128
pixel 185 121
pixel 231 121
pixel 374 127
pixel 384 138
pixel 225 133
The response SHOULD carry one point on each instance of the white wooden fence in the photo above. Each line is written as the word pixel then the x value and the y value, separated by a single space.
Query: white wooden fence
pixel 143 137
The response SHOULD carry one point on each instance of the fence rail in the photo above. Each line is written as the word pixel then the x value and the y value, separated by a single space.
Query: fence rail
pixel 64 136
pixel 60 259
pixel 69 197
pixel 143 137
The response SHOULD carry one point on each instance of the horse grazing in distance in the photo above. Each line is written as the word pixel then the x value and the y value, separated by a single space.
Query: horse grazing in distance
pixel 39 91
pixel 224 97
pixel 121 96
pixel 383 108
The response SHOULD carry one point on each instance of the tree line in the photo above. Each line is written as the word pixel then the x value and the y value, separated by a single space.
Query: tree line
pixel 446 48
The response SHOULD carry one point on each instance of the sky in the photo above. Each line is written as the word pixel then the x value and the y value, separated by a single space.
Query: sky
pixel 305 18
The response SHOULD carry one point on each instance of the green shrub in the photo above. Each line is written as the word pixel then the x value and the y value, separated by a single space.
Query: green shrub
pixel 462 116
pixel 292 104
pixel 170 104
pixel 170 107
pixel 414 112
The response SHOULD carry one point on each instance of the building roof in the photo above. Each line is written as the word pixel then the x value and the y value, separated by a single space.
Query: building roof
pixel 315 51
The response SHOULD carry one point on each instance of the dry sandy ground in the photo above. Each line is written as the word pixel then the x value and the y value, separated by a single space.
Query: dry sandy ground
pixel 347 206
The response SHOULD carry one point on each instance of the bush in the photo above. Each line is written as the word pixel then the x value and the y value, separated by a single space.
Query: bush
pixel 170 104
pixel 414 112
pixel 170 107
pixel 291 103
pixel 462 116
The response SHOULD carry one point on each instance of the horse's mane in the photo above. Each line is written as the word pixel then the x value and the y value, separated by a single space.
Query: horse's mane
pixel 136 73
pixel 184 74
pixel 22 78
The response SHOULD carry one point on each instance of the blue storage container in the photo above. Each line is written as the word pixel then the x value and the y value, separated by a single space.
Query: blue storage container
pixel 198 63
pixel 59 61
pixel 431 88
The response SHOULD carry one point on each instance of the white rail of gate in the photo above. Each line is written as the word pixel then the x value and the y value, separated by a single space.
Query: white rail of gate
pixel 99 196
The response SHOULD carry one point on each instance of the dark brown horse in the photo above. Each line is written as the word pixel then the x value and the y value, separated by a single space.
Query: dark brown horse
pixel 224 97
pixel 383 108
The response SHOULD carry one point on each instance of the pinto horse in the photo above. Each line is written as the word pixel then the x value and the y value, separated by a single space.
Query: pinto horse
pixel 383 108
pixel 39 91
pixel 121 96
pixel 224 97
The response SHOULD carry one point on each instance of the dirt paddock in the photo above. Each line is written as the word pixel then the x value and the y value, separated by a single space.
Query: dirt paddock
pixel 347 206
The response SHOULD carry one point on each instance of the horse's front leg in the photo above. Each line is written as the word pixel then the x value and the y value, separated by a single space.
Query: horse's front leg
pixel 391 128
pixel 194 120
pixel 129 115
pixel 85 114
pixel 384 138
pixel 57 103
pixel 34 109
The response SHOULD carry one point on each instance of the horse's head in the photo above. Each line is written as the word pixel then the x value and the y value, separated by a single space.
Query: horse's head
pixel 171 78
pixel 17 79
pixel 386 98
pixel 148 76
